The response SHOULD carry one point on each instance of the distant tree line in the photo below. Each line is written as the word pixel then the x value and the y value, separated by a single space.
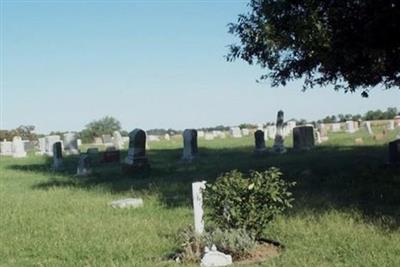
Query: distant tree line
pixel 378 114
pixel 26 132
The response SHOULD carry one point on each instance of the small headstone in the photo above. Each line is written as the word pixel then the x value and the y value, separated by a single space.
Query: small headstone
pixel 127 203
pixel 57 157
pixel 107 139
pixel 71 144
pixel 200 133
pixel 336 127
pixel 84 166
pixel 136 158
pixel 260 141
pixel 79 142
pixel 167 137
pixel 303 138
pixel 368 127
pixel 245 132
pixel 350 127
pixel 6 148
pixel 190 148
pixel 18 149
pixel 213 258
pixel 318 137
pixel 117 140
pixel 154 138
pixel 42 146
pixel 208 136
pixel 390 125
pixel 278 146
pixel 394 152
pixel 49 142
pixel 235 132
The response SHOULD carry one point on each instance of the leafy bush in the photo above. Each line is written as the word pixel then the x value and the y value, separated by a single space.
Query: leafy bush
pixel 236 201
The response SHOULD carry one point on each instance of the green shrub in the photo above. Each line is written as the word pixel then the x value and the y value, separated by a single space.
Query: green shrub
pixel 235 201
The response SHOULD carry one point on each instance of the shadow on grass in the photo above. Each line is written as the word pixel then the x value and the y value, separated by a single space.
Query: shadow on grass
pixel 327 177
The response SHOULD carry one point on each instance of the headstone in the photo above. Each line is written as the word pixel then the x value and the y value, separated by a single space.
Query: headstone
pixel 208 136
pixel 235 132
pixel 6 148
pixel 397 120
pixel 291 124
pixel 200 134
pixel 190 148
pixel 390 125
pixel 278 146
pixel 127 203
pixel 260 141
pixel 98 140
pixel 271 129
pixel 245 132
pixel 57 157
pixel 303 138
pixel 84 165
pixel 336 127
pixel 71 144
pixel 368 127
pixel 136 158
pixel 167 137
pixel 79 142
pixel 50 140
pixel 318 137
pixel 213 258
pixel 154 138
pixel 18 149
pixel 394 152
pixel 42 146
pixel 350 127
pixel 260 126
pixel 197 194
pixel 117 140
pixel 107 139
pixel 29 145
pixel 323 133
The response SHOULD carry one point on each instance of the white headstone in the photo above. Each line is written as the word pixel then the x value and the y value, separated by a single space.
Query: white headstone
pixel 127 203
pixel 71 143
pixel 18 148
pixel 197 194
pixel 368 127
pixel 278 146
pixel 245 132
pixel 390 125
pixel 153 138
pixel 117 140
pixel 6 148
pixel 235 132
pixel 79 142
pixel 209 136
pixel 350 127
pixel 200 133
pixel 336 127
pixel 49 141
pixel 167 137
pixel 213 258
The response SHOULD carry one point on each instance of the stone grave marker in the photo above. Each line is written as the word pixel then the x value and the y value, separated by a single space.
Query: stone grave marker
pixel 259 141
pixel 127 203
pixel 390 125
pixel 18 149
pixel 84 165
pixel 303 138
pixel 208 136
pixel 57 157
pixel 6 148
pixel 117 140
pixel 213 258
pixel 107 140
pixel 190 148
pixel 136 158
pixel 336 127
pixel 278 146
pixel 197 194
pixel 368 127
pixel 49 141
pixel 71 144
pixel 235 132
pixel 394 152
pixel 350 127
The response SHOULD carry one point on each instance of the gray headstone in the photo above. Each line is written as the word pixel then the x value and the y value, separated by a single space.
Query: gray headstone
pixel 259 140
pixel 57 157
pixel 394 152
pixel 303 138
pixel 71 143
pixel 84 166
pixel 137 148
pixel 127 203
pixel 190 148
pixel 278 146
pixel 49 141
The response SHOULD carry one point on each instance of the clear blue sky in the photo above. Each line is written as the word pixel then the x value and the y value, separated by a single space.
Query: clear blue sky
pixel 150 64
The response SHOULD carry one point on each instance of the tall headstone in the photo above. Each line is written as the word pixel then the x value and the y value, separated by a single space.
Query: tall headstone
pixel 117 140
pixel 336 127
pixel 49 141
pixel 368 127
pixel 137 150
pixel 57 157
pixel 323 133
pixel 84 165
pixel 394 152
pixel 303 138
pixel 197 193
pixel 6 148
pixel 278 146
pixel 259 141
pixel 71 143
pixel 190 148
pixel 350 127
pixel 18 149
pixel 235 132
pixel 390 125
pixel 167 137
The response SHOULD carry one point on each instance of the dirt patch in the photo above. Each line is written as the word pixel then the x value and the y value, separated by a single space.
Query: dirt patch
pixel 261 253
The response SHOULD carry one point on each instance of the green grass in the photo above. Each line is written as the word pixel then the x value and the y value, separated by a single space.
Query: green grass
pixel 346 212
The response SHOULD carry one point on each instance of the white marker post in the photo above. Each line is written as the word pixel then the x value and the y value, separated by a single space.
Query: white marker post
pixel 197 188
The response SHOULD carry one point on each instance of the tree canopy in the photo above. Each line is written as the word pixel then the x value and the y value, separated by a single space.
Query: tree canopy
pixel 97 128
pixel 353 45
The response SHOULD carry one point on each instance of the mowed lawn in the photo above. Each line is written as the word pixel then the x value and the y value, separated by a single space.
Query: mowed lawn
pixel 346 212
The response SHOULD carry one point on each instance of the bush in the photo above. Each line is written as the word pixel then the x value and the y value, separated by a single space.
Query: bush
pixel 235 201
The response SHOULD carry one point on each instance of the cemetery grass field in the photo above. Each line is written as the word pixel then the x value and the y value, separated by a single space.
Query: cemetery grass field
pixel 346 210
